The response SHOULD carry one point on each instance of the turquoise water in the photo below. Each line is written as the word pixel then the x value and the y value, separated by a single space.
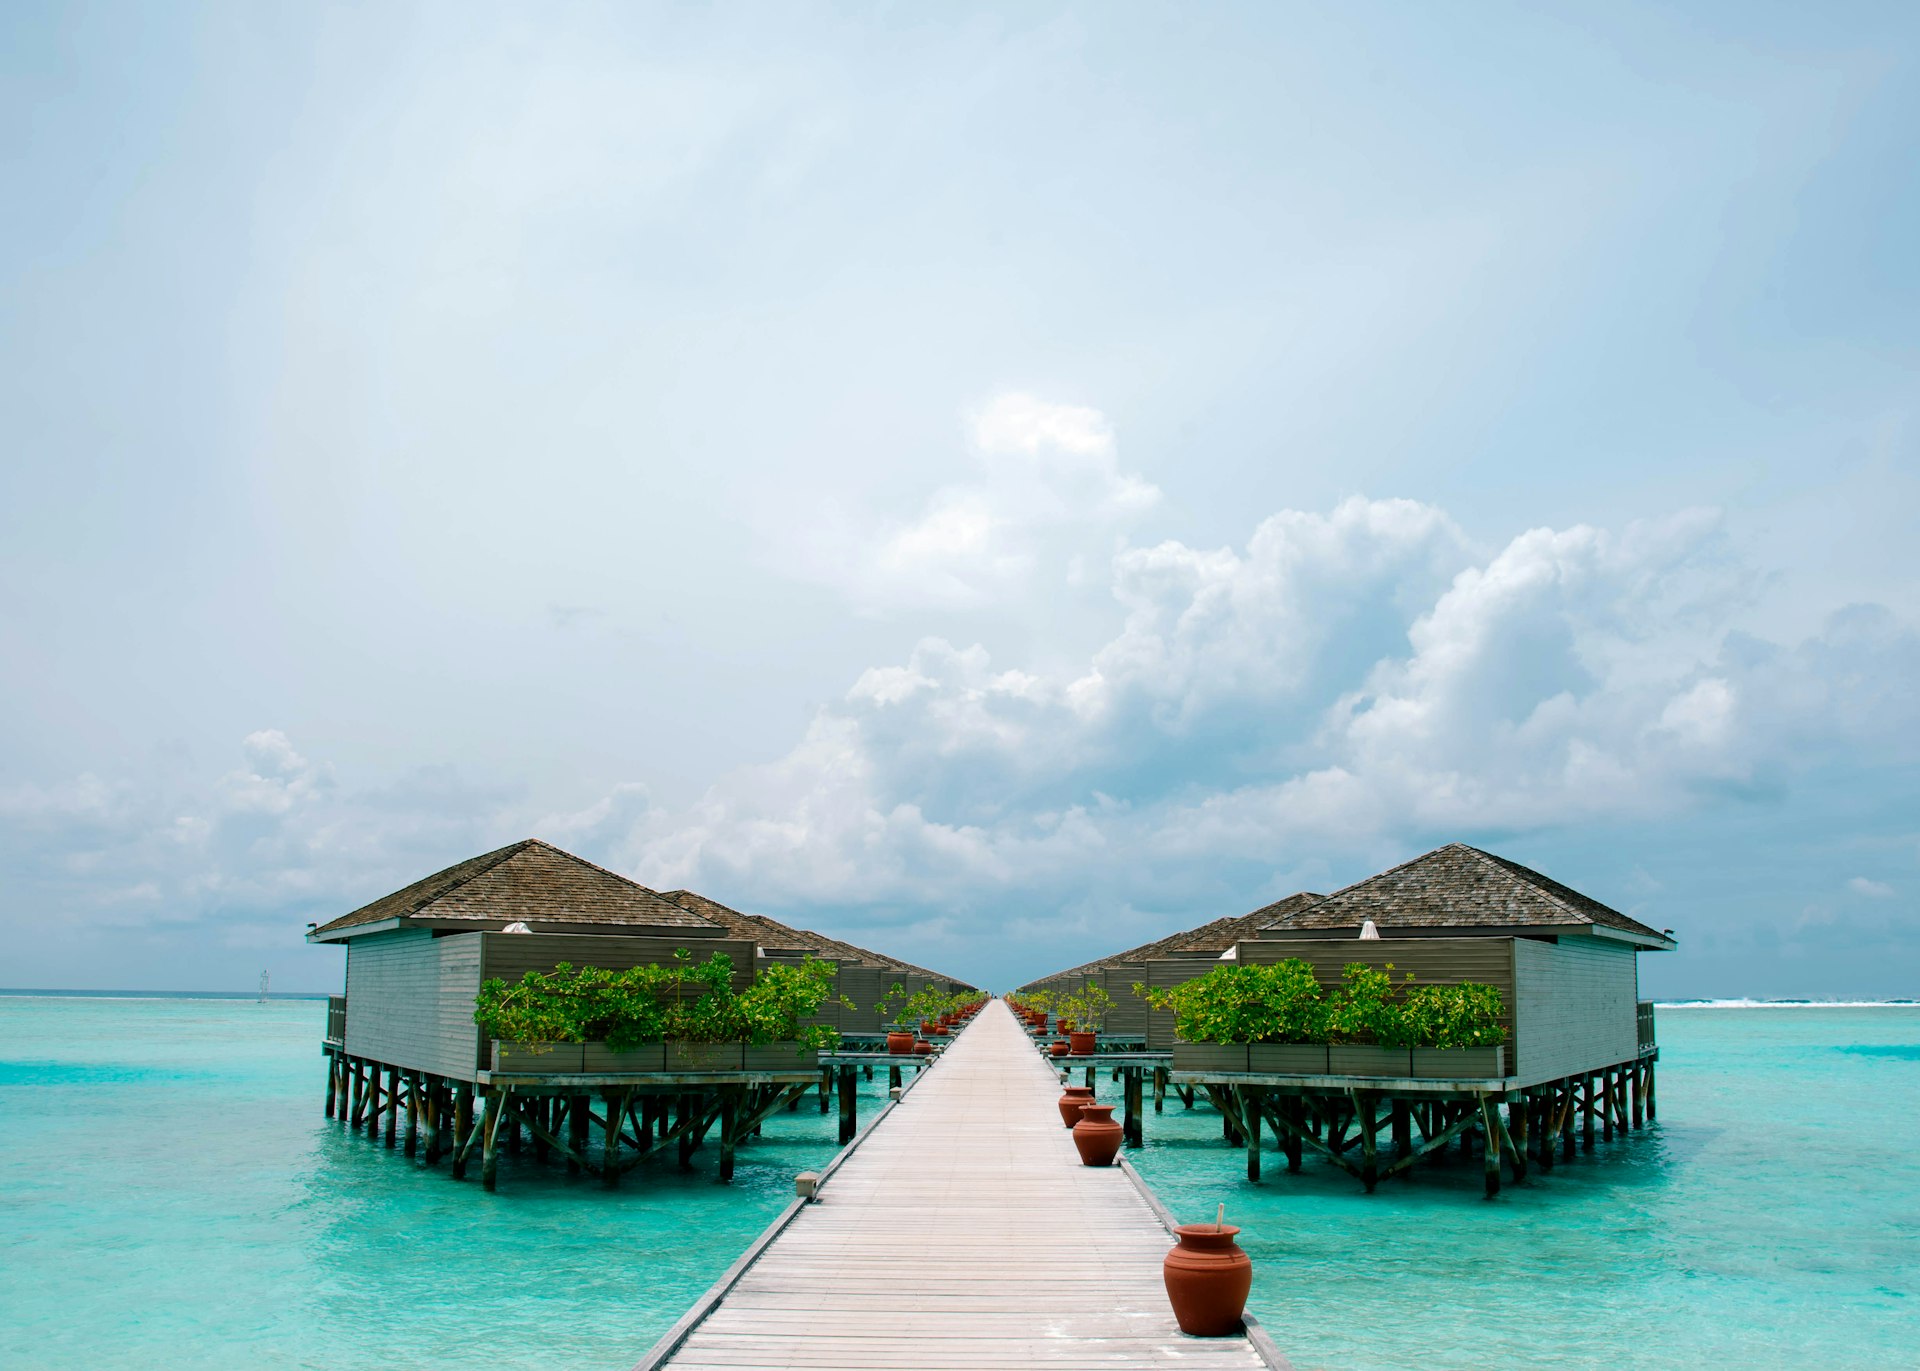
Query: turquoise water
pixel 171 1197
pixel 1770 1218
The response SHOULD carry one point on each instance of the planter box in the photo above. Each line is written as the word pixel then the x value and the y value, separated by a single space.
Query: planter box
pixel 1288 1059
pixel 1459 1063
pixel 646 1057
pixel 786 1056
pixel 1209 1056
pixel 536 1058
pixel 1370 1061
pixel 685 1056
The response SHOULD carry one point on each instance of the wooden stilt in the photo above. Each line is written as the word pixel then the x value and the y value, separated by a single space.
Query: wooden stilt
pixel 333 1082
pixel 849 1106
pixel 577 1131
pixel 1639 1094
pixel 430 1119
pixel 1490 1125
pixel 1159 1090
pixel 357 1093
pixel 393 1105
pixel 413 1113
pixel 826 1088
pixel 1586 1113
pixel 1293 1113
pixel 615 1104
pixel 1366 1106
pixel 1652 1113
pixel 729 1122
pixel 462 1127
pixel 1133 1096
pixel 1250 1114
pixel 496 1105
pixel 1402 1130
pixel 1546 1125
pixel 1517 1137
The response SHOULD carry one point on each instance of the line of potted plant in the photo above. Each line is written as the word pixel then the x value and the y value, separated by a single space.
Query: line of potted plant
pixel 679 1016
pixel 1278 1020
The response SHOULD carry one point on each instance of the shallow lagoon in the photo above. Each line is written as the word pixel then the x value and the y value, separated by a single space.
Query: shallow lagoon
pixel 171 1196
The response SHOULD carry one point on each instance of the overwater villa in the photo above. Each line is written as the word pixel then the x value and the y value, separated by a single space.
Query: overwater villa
pixel 406 1054
pixel 1564 1043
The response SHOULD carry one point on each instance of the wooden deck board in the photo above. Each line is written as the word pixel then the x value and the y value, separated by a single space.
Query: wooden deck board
pixel 963 1233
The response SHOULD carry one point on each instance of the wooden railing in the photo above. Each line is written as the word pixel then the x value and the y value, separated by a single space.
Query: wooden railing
pixel 1643 1019
pixel 336 1018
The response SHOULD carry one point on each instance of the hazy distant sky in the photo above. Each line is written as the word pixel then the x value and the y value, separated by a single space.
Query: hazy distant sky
pixel 998 483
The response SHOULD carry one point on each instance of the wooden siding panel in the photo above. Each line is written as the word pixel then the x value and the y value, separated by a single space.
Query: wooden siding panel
pixel 1576 1006
pixel 1163 973
pixel 410 1000
pixel 511 955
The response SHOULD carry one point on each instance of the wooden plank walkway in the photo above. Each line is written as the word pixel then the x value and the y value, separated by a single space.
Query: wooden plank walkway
pixel 963 1233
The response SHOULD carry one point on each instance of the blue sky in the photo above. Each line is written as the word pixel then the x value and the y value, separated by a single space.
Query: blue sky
pixel 998 483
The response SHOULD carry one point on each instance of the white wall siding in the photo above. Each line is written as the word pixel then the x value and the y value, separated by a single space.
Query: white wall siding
pixel 1574 1006
pixel 410 1000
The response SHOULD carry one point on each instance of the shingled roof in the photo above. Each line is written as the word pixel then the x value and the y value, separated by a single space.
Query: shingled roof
pixel 771 933
pixel 529 881
pixel 1457 886
pixel 1216 935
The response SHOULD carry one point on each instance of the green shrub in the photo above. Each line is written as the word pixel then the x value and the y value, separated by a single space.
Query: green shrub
pixel 1283 1003
pixel 683 1000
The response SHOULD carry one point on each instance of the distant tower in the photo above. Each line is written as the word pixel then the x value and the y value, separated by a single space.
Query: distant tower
pixel 263 987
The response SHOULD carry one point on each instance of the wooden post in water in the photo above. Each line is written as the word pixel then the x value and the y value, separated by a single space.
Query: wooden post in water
pixel 430 1119
pixel 826 1087
pixel 729 1124
pixel 332 1082
pixel 1586 1112
pixel 849 1106
pixel 1402 1131
pixel 1133 1095
pixel 1651 1112
pixel 462 1127
pixel 490 1137
pixel 393 1105
pixel 1639 1094
pixel 413 1113
pixel 1606 1098
pixel 1249 1102
pixel 1159 1089
pixel 1366 1104
pixel 577 1130
pixel 1490 1128
pixel 1290 1141
pixel 1517 1137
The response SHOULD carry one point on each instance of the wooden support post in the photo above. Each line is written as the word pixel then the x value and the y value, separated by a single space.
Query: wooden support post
pixel 1292 1112
pixel 430 1118
pixel 577 1131
pixel 1517 1136
pixel 1159 1089
pixel 462 1126
pixel 1133 1094
pixel 1402 1130
pixel 1546 1125
pixel 1490 1126
pixel 1366 1104
pixel 1639 1094
pixel 1250 1112
pixel 615 1104
pixel 490 1137
pixel 413 1113
pixel 1606 1100
pixel 393 1105
pixel 357 1091
pixel 826 1087
pixel 1586 1112
pixel 687 1111
pixel 333 1082
pixel 1652 1113
pixel 542 1115
pixel 849 1105
pixel 729 1122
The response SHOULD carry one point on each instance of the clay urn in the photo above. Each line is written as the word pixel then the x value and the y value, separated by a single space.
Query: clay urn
pixel 1097 1136
pixel 1207 1276
pixel 1082 1044
pixel 922 1048
pixel 900 1044
pixel 1070 1102
pixel 1057 1048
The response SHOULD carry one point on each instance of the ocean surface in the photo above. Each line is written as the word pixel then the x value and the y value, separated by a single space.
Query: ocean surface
pixel 171 1196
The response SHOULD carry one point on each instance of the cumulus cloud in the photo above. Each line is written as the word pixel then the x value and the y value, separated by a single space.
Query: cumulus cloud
pixel 1870 888
pixel 1340 682
pixel 1046 491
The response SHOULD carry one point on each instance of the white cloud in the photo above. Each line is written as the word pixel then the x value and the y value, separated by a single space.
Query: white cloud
pixel 1046 492
pixel 1871 889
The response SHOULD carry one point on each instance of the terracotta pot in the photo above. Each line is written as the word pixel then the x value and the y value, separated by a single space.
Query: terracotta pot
pixel 1070 1101
pixel 1082 1044
pixel 926 1027
pixel 922 1048
pixel 1207 1278
pixel 900 1044
pixel 1098 1138
pixel 1057 1049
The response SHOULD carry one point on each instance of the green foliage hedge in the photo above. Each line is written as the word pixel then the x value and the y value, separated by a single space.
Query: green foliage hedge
pixel 1283 1003
pixel 684 1000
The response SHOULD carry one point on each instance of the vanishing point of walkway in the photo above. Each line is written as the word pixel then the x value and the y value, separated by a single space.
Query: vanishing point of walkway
pixel 963 1233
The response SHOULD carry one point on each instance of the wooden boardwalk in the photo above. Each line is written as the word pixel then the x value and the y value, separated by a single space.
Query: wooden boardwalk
pixel 963 1233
